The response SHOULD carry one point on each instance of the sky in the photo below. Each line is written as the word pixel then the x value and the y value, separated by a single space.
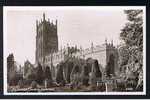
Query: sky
pixel 76 26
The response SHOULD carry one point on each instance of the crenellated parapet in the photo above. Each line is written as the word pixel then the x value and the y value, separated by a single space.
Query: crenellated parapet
pixel 45 23
pixel 100 52
pixel 99 48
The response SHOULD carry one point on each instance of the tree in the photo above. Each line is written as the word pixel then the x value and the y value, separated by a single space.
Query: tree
pixel 85 75
pixel 59 76
pixel 48 73
pixel 131 52
pixel 68 69
pixel 20 83
pixel 39 74
pixel 34 85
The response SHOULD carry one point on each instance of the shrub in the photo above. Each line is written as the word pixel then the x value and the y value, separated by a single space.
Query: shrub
pixel 34 84
pixel 20 83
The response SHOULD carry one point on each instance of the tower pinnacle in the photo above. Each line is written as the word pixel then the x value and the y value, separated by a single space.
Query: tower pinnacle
pixel 37 26
pixel 37 23
pixel 111 42
pixel 56 22
pixel 105 40
pixel 43 16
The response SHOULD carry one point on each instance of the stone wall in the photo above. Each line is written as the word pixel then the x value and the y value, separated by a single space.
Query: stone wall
pixel 102 53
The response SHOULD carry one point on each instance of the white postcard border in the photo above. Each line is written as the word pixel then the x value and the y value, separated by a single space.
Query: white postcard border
pixel 30 8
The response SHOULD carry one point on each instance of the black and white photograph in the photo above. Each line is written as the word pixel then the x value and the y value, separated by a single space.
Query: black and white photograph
pixel 74 50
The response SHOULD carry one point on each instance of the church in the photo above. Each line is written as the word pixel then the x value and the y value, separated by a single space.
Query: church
pixel 47 53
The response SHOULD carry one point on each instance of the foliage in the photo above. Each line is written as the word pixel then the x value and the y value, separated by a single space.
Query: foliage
pixel 131 52
pixel 34 84
pixel 59 76
pixel 48 73
pixel 39 74
pixel 85 75
pixel 21 84
pixel 68 68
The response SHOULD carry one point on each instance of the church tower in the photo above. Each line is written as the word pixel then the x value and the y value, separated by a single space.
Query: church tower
pixel 46 39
